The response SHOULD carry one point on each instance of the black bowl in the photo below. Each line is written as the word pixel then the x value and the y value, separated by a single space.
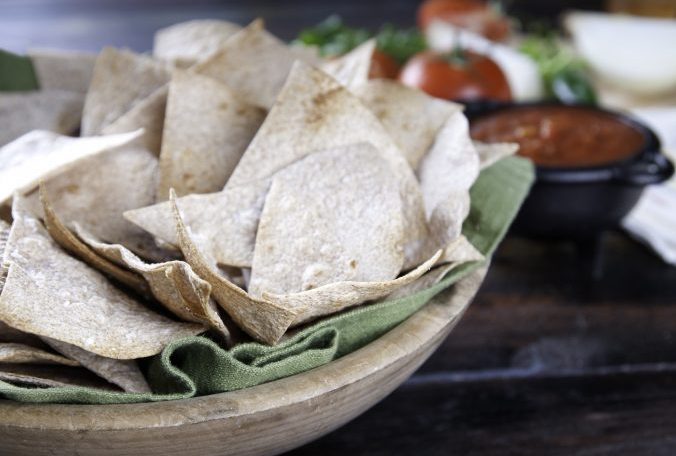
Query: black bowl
pixel 580 203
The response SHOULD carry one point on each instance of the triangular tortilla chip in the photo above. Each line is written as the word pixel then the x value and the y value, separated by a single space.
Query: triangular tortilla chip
pixel 54 110
pixel 123 373
pixel 4 234
pixel 25 354
pixel 206 130
pixel 446 174
pixel 39 155
pixel 42 376
pixel 147 114
pixel 222 224
pixel 337 296
pixel 314 113
pixel 49 293
pixel 97 191
pixel 172 283
pixel 253 62
pixel 189 42
pixel 458 252
pixel 490 153
pixel 410 116
pixel 63 70
pixel 333 216
pixel 120 80
pixel 352 69
pixel 262 320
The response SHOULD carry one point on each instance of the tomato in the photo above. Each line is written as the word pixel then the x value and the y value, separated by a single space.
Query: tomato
pixel 475 15
pixel 461 75
pixel 383 66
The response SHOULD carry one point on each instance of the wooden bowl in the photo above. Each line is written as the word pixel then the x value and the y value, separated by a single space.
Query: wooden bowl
pixel 263 420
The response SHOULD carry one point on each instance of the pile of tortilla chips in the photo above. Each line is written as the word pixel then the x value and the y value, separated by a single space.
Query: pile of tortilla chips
pixel 230 185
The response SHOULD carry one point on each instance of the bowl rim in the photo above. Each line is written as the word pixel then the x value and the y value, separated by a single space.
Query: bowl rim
pixel 433 321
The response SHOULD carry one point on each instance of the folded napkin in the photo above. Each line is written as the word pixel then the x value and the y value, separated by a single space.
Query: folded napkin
pixel 653 219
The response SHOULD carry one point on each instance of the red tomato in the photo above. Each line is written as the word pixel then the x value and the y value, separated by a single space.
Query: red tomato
pixel 383 66
pixel 464 76
pixel 475 15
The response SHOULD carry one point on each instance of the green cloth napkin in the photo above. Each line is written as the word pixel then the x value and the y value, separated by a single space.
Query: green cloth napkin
pixel 196 366
pixel 16 73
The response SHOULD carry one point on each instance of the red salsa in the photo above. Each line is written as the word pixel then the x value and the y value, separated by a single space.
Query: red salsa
pixel 561 136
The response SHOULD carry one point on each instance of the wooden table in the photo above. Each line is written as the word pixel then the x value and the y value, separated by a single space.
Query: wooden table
pixel 546 361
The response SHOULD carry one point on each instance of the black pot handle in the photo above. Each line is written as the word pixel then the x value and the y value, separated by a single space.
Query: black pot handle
pixel 651 167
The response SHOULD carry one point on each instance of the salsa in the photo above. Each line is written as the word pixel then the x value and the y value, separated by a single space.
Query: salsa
pixel 561 136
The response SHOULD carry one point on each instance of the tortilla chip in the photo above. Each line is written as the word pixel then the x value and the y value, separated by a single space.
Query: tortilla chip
pixel 97 191
pixel 63 70
pixel 189 42
pixel 147 114
pixel 333 216
pixel 490 153
pixel 457 253
pixel 120 80
pixel 25 354
pixel 173 284
pixel 4 234
pixel 123 373
pixel 253 63
pixel 446 174
pixel 49 293
pixel 40 155
pixel 54 110
pixel 314 113
pixel 352 69
pixel 410 116
pixel 262 320
pixel 45 376
pixel 71 243
pixel 206 130
pixel 337 296
pixel 223 225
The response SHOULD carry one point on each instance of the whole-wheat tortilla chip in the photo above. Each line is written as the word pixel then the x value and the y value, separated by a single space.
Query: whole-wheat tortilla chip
pixel 333 216
pixel 490 153
pixel 314 112
pixel 97 191
pixel 410 116
pixel 206 130
pixel 11 335
pixel 25 354
pixel 446 174
pixel 72 244
pixel 262 320
pixel 123 373
pixel 40 155
pixel 173 283
pixel 120 80
pixel 53 110
pixel 253 63
pixel 337 296
pixel 189 42
pixel 4 234
pixel 63 70
pixel 223 225
pixel 147 114
pixel 352 69
pixel 49 293
pixel 46 376
pixel 455 254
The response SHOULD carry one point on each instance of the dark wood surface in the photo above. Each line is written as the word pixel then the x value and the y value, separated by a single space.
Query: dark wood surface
pixel 546 361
